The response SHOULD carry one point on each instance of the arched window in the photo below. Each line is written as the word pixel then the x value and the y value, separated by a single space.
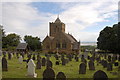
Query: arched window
pixel 57 44
pixel 64 44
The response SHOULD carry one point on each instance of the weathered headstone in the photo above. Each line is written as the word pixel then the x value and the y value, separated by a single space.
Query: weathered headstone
pixel 4 64
pixel 38 64
pixel 82 68
pixel 104 63
pixel 48 74
pixel 31 69
pixel 100 75
pixel 20 59
pixel 43 61
pixel 109 67
pixel 60 76
pixel 91 65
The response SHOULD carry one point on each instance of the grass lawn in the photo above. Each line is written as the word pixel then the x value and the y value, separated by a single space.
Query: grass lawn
pixel 16 70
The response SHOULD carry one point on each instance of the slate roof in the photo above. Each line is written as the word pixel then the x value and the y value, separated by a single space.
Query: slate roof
pixel 22 46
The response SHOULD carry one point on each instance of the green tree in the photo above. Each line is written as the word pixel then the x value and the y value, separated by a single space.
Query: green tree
pixel 109 39
pixel 11 40
pixel 34 43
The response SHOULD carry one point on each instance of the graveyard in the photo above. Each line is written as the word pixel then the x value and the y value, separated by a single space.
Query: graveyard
pixel 70 68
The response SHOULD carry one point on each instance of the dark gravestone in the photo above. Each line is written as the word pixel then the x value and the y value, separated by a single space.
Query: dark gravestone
pixel 100 75
pixel 60 76
pixel 57 62
pixel 82 68
pixel 77 59
pixel 49 64
pixel 9 56
pixel 63 61
pixel 56 57
pixel 38 57
pixel 91 65
pixel 4 64
pixel 109 58
pixel 119 58
pixel 116 64
pixel 109 67
pixel 88 57
pixel 48 74
pixel 43 61
pixel 38 64
pixel 33 57
pixel 104 63
pixel 84 60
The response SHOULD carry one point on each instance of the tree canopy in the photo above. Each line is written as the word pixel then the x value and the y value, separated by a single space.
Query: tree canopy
pixel 109 39
pixel 33 42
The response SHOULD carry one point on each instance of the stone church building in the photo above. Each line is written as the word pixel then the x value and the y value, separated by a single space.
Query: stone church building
pixel 59 41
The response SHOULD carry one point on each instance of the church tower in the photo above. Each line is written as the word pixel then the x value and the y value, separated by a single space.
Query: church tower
pixel 56 27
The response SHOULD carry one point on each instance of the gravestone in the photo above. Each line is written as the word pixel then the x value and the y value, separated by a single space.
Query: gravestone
pixel 82 68
pixel 20 59
pixel 91 65
pixel 104 63
pixel 49 63
pixel 88 57
pixel 38 57
pixel 109 67
pixel 63 61
pixel 38 64
pixel 119 58
pixel 119 68
pixel 100 75
pixel 43 61
pixel 116 64
pixel 56 56
pixel 77 59
pixel 57 62
pixel 34 57
pixel 31 69
pixel 48 74
pixel 109 58
pixel 60 76
pixel 9 56
pixel 4 64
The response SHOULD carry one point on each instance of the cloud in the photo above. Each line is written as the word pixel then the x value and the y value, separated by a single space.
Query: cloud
pixel 24 19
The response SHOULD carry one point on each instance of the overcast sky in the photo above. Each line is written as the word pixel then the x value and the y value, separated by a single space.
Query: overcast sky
pixel 83 19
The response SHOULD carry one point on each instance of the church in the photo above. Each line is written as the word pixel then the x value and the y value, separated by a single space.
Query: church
pixel 58 41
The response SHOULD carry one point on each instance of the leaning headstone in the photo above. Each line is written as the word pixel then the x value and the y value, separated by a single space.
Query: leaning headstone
pixel 100 75
pixel 91 65
pixel 31 69
pixel 20 59
pixel 4 64
pixel 82 68
pixel 60 76
pixel 49 63
pixel 38 64
pixel 109 67
pixel 48 74
pixel 43 61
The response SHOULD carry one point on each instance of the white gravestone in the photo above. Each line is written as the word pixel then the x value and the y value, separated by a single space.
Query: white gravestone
pixel 31 69
pixel 20 59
